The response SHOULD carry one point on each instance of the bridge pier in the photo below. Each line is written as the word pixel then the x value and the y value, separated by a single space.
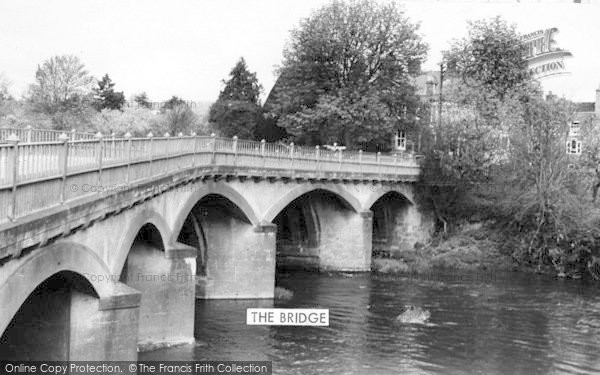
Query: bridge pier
pixel 346 241
pixel 104 329
pixel 241 261
pixel 321 231
pixel 412 226
pixel 63 319
pixel 398 224
pixel 166 280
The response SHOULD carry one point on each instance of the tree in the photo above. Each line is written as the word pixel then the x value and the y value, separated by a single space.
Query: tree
pixel 543 200
pixel 486 82
pixel 105 95
pixel 62 84
pixel 137 121
pixel 172 103
pixel 142 100
pixel 488 65
pixel 237 111
pixel 486 91
pixel 180 119
pixel 345 55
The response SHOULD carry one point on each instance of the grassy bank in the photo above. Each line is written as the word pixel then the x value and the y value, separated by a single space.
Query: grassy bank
pixel 472 247
pixel 484 247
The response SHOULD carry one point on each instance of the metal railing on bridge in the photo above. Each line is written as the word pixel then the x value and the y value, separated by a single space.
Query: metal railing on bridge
pixel 30 135
pixel 36 174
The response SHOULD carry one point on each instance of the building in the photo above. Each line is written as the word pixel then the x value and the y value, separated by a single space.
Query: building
pixel 585 112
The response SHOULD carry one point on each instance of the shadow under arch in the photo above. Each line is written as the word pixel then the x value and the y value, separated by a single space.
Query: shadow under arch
pixel 143 218
pixel 379 193
pixel 212 188
pixel 390 226
pixel 42 265
pixel 344 195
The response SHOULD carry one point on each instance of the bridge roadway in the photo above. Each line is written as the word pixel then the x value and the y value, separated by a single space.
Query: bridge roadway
pixel 109 241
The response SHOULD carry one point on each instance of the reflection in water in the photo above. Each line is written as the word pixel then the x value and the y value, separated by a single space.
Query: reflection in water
pixel 509 323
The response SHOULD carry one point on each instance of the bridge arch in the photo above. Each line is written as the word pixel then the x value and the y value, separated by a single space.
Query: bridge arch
pixel 381 191
pixel 298 191
pixel 144 217
pixel 395 222
pixel 209 188
pixel 42 265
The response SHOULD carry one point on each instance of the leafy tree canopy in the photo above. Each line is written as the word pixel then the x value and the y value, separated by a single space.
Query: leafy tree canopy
pixel 61 83
pixel 142 100
pixel 181 119
pixel 105 95
pixel 345 55
pixel 172 103
pixel 237 111
pixel 490 59
pixel 486 88
pixel 242 85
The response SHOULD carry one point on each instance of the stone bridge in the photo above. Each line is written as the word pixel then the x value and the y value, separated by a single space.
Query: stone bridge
pixel 108 241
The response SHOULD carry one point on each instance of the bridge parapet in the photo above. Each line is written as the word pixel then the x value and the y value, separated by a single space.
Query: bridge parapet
pixel 29 135
pixel 41 175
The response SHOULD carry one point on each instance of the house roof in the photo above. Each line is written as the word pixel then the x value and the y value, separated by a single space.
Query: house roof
pixel 585 107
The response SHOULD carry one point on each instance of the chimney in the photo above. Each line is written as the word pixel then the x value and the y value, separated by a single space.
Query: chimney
pixel 597 106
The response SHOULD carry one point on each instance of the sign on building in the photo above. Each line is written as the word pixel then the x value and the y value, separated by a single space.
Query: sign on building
pixel 543 56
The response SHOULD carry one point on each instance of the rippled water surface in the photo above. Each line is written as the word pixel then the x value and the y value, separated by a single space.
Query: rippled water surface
pixel 508 323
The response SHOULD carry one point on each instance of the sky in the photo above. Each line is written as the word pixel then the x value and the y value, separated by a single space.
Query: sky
pixel 186 48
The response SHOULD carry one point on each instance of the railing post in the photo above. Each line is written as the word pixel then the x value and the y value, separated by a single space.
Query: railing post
pixel 99 153
pixel 150 151
pixel 29 131
pixel 167 143
pixel 317 152
pixel 128 137
pixel 396 164
pixel 360 153
pixel 195 148
pixel 263 144
pixel 292 155
pixel 235 142
pixel 64 163
pixel 181 148
pixel 379 163
pixel 13 168
pixel 213 145
pixel 113 146
pixel 72 134
pixel 340 159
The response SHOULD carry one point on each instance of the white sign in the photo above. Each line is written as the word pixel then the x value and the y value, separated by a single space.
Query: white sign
pixel 543 56
pixel 287 317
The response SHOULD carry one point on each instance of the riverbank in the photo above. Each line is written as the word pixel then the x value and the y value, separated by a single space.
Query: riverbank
pixel 472 247
pixel 479 247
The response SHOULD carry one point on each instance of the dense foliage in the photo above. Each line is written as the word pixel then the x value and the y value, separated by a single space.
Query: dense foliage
pixel 237 111
pixel 62 84
pixel 105 95
pixel 500 156
pixel 142 100
pixel 346 74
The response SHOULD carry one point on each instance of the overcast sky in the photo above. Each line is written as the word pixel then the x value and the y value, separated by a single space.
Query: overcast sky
pixel 186 48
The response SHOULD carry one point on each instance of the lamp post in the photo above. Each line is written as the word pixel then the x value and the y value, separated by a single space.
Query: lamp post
pixel 440 101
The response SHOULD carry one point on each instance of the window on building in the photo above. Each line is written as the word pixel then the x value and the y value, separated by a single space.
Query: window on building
pixel 574 129
pixel 400 140
pixel 574 147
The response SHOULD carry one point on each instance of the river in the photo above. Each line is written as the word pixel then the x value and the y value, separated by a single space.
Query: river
pixel 508 323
